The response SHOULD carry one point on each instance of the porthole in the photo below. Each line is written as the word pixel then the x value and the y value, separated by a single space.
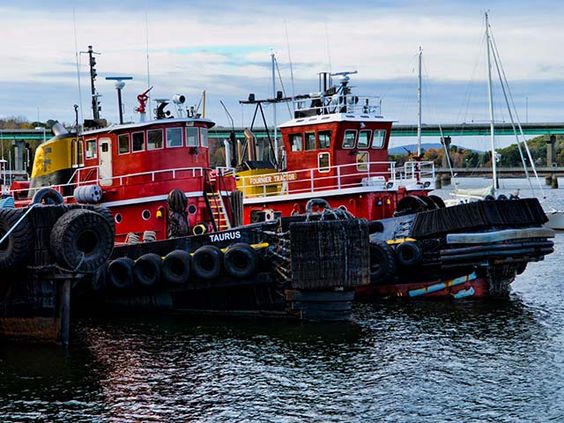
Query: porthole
pixel 118 218
pixel 192 209
pixel 146 214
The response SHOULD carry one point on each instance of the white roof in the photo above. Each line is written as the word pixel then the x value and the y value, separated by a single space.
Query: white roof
pixel 333 117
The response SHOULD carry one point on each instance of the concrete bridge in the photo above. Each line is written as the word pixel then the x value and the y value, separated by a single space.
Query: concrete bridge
pixel 398 130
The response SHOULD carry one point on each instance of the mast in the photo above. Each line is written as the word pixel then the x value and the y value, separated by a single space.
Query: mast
pixel 419 103
pixel 274 106
pixel 490 99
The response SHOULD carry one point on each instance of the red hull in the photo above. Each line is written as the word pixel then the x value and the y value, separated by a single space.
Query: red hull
pixel 469 286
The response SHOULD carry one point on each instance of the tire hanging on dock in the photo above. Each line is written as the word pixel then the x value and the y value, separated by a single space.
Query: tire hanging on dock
pixel 18 246
pixel 120 273
pixel 175 268
pixel 207 262
pixel 240 261
pixel 382 262
pixel 147 270
pixel 82 240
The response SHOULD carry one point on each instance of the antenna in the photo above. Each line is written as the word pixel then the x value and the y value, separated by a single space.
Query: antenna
pixel 290 60
pixel 147 51
pixel 77 56
pixel 119 86
pixel 92 63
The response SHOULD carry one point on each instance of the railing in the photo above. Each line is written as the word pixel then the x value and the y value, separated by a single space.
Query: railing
pixel 75 180
pixel 380 175
pixel 338 103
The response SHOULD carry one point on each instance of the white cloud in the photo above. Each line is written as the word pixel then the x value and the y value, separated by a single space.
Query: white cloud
pixel 225 48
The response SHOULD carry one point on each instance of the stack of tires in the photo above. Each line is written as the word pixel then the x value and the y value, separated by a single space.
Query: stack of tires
pixel 76 240
pixel 386 261
pixel 179 269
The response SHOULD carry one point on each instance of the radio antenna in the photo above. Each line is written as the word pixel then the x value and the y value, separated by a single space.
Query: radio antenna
pixel 77 56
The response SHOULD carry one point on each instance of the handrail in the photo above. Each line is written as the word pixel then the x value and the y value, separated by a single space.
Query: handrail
pixel 151 173
pixel 341 178
pixel 20 220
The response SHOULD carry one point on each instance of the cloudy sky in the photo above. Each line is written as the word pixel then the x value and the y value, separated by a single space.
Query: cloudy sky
pixel 224 48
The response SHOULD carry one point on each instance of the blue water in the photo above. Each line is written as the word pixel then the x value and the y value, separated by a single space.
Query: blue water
pixel 466 361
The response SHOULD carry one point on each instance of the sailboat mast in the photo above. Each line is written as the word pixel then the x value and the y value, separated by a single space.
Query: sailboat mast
pixel 490 99
pixel 419 105
pixel 274 106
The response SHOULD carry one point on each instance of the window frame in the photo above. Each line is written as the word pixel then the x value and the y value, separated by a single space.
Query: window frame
pixel 384 133
pixel 365 164
pixel 326 169
pixel 345 137
pixel 162 139
pixel 128 135
pixel 144 142
pixel 197 136
pixel 369 140
pixel 88 142
pixel 203 130
pixel 330 133
pixel 291 138
pixel 166 143
pixel 308 135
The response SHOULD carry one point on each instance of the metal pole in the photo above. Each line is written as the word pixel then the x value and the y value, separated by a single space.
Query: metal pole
pixel 119 106
pixel 490 98
pixel 274 107
pixel 419 106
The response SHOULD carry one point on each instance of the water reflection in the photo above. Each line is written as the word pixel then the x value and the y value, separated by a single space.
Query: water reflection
pixel 398 361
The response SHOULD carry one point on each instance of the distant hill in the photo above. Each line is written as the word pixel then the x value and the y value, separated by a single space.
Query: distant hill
pixel 426 146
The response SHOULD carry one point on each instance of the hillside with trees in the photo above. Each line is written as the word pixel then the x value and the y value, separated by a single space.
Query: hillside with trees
pixel 466 158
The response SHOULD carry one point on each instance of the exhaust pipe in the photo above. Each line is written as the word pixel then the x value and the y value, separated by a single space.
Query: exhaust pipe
pixel 59 130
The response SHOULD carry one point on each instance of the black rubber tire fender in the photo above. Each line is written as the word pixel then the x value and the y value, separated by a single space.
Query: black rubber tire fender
pixel 147 270
pixel 82 240
pixel 410 204
pixel 431 205
pixel 382 262
pixel 207 262
pixel 502 197
pixel 240 261
pixel 408 254
pixel 15 250
pixel 175 268
pixel 120 273
pixel 438 201
pixel 47 196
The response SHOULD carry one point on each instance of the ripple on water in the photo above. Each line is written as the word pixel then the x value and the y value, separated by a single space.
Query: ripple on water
pixel 498 361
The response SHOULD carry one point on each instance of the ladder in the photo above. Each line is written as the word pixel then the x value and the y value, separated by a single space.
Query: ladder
pixel 218 211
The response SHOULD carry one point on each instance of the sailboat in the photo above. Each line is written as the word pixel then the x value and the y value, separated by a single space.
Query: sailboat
pixel 556 217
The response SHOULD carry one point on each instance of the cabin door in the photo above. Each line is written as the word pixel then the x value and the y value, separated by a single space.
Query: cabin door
pixel 105 166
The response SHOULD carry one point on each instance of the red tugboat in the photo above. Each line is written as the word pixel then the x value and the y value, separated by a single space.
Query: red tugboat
pixel 335 148
pixel 179 240
pixel 335 156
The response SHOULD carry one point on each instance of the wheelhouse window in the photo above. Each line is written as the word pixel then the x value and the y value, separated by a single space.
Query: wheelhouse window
pixel 323 162
pixel 138 141
pixel 362 160
pixel 123 144
pixel 349 139
pixel 364 138
pixel 191 136
pixel 174 137
pixel 324 139
pixel 204 137
pixel 310 141
pixel 378 138
pixel 296 142
pixel 154 139
pixel 77 153
pixel 91 149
